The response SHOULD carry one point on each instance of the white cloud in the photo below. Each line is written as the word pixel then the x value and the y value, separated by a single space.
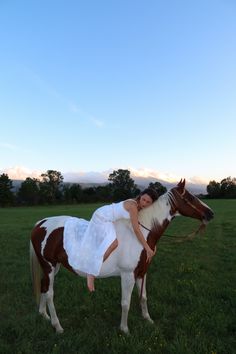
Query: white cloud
pixel 142 176
pixel 198 180
pixel 97 122
pixel 21 173
pixel 167 177
pixel 85 177
pixel 150 173
pixel 73 107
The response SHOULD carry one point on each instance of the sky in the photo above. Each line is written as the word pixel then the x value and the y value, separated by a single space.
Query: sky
pixel 91 86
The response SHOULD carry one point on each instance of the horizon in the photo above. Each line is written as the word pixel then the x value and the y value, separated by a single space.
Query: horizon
pixel 148 87
pixel 92 178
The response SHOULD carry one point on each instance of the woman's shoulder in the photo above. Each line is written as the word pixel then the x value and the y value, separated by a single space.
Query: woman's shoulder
pixel 130 203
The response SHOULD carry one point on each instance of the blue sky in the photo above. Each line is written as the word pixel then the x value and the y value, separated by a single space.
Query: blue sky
pixel 107 84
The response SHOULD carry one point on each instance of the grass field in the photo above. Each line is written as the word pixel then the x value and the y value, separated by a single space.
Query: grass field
pixel 191 293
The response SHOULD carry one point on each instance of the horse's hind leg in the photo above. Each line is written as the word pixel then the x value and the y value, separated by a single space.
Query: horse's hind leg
pixel 47 299
pixel 43 306
pixel 143 298
pixel 54 319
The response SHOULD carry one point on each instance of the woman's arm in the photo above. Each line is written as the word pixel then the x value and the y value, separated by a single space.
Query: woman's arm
pixel 133 211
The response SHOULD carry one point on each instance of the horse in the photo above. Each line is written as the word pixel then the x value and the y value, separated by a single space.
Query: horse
pixel 128 260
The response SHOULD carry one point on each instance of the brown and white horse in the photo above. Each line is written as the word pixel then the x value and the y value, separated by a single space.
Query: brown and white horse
pixel 127 261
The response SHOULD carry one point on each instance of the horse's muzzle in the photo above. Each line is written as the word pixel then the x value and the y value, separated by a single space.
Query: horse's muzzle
pixel 209 215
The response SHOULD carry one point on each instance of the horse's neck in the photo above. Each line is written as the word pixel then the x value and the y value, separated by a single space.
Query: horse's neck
pixel 156 218
pixel 158 212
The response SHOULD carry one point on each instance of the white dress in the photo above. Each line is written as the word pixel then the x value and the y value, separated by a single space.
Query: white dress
pixel 98 236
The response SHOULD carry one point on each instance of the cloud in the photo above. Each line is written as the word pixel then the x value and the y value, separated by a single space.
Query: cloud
pixel 167 177
pixel 42 84
pixel 21 173
pixel 141 176
pixel 97 122
pixel 72 106
pixel 86 177
pixel 198 180
pixel 150 173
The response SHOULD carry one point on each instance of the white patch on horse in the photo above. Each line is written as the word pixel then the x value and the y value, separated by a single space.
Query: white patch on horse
pixel 160 208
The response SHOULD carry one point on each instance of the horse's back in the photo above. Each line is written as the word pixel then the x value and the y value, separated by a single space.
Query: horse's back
pixel 46 229
pixel 47 240
pixel 52 221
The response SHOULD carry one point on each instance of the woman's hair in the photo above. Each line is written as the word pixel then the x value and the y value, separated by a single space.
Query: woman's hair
pixel 151 192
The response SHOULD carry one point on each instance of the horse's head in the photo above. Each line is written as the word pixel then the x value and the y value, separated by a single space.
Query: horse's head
pixel 185 203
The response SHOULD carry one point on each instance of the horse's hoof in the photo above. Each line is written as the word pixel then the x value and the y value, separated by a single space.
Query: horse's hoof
pixel 45 316
pixel 58 328
pixel 60 331
pixel 125 330
pixel 149 319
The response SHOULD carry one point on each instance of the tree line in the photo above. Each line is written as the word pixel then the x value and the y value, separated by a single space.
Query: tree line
pixel 224 189
pixel 50 189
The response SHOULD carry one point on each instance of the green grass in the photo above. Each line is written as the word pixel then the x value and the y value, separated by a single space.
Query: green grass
pixel 191 293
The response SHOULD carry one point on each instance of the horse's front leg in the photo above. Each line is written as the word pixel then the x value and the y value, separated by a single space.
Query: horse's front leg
pixel 143 297
pixel 127 284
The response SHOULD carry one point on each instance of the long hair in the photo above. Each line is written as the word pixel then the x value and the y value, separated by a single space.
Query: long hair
pixel 151 192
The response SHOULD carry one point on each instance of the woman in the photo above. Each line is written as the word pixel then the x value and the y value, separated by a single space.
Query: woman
pixel 100 238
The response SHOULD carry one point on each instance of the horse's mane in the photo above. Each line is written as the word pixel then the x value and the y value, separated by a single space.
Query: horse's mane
pixel 155 212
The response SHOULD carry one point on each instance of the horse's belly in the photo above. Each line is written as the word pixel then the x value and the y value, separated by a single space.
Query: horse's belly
pixel 110 266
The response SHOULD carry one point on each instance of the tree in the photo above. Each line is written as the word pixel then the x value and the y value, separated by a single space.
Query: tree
pixel 6 195
pixel 122 186
pixel 225 189
pixel 228 187
pixel 104 193
pixel 29 191
pixel 89 194
pixel 50 187
pixel 213 189
pixel 73 193
pixel 158 187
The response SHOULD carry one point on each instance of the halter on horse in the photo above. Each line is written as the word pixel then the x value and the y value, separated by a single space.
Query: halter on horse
pixel 128 260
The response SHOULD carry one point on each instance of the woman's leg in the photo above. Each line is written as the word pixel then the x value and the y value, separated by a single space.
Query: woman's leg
pixel 110 249
pixel 90 282
pixel 90 277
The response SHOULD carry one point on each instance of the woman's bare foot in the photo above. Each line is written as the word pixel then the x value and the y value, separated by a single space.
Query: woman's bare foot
pixel 90 282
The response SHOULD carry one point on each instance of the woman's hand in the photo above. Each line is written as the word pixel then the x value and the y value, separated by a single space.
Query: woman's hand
pixel 150 254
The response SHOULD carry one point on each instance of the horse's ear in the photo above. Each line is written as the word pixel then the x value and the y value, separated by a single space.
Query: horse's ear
pixel 181 185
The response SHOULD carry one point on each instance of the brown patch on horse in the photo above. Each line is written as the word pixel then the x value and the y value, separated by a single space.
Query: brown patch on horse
pixel 152 239
pixel 37 236
pixel 53 251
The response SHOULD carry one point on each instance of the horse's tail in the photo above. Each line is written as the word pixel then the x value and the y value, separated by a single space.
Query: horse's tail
pixel 36 273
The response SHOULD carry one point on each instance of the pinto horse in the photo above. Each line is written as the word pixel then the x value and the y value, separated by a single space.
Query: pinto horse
pixel 128 260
